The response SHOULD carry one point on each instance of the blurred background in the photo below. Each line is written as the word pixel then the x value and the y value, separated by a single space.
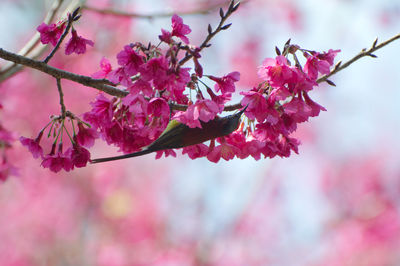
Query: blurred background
pixel 335 203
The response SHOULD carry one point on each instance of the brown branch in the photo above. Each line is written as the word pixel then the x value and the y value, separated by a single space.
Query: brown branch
pixel 364 52
pixel 100 84
pixel 121 13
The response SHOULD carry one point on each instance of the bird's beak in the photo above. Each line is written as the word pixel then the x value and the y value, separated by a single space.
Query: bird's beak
pixel 244 109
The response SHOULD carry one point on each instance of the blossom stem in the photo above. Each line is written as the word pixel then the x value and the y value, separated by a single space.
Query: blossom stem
pixel 60 92
pixel 69 135
pixel 232 8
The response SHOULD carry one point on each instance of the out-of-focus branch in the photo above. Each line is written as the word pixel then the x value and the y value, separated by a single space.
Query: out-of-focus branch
pixel 121 13
pixel 364 52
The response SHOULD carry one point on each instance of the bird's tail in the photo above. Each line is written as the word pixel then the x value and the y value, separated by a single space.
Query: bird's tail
pixel 129 155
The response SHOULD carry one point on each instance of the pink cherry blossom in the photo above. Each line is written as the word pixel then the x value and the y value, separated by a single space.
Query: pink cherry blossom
pixel 167 153
pixel 257 106
pixel 276 71
pixel 179 29
pixel 158 107
pixel 165 36
pixel 101 113
pixel 130 60
pixel 226 83
pixel 202 110
pixel 137 104
pixel 33 146
pixel 328 56
pixel 119 76
pixel 155 68
pixel 106 68
pixel 77 44
pixel 315 108
pixel 57 162
pixel 50 33
pixel 314 65
pixel 141 86
pixel 79 155
pixel 225 151
pixel 86 136
pixel 297 109
pixel 196 151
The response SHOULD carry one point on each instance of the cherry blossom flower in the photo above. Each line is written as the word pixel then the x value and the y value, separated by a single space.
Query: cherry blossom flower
pixel 276 71
pixel 119 76
pixel 130 60
pixel 101 113
pixel 167 153
pixel 196 151
pixel 50 33
pixel 77 44
pixel 33 146
pixel 155 68
pixel 202 110
pixel 179 29
pixel 297 109
pixel 106 68
pixel 141 86
pixel 165 36
pixel 226 83
pixel 57 162
pixel 78 155
pixel 257 106
pixel 225 151
pixel 86 136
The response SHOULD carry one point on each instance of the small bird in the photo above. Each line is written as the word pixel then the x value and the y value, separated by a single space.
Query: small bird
pixel 178 135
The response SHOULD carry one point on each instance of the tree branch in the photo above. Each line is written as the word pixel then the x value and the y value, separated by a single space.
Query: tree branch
pixel 364 52
pixel 100 84
pixel 60 92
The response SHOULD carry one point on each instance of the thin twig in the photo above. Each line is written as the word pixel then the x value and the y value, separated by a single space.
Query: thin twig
pixel 121 13
pixel 339 66
pixel 60 92
pixel 232 8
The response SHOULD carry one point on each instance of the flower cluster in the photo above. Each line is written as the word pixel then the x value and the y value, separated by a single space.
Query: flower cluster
pixel 277 105
pixel 155 78
pixel 75 156
pixel 161 89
